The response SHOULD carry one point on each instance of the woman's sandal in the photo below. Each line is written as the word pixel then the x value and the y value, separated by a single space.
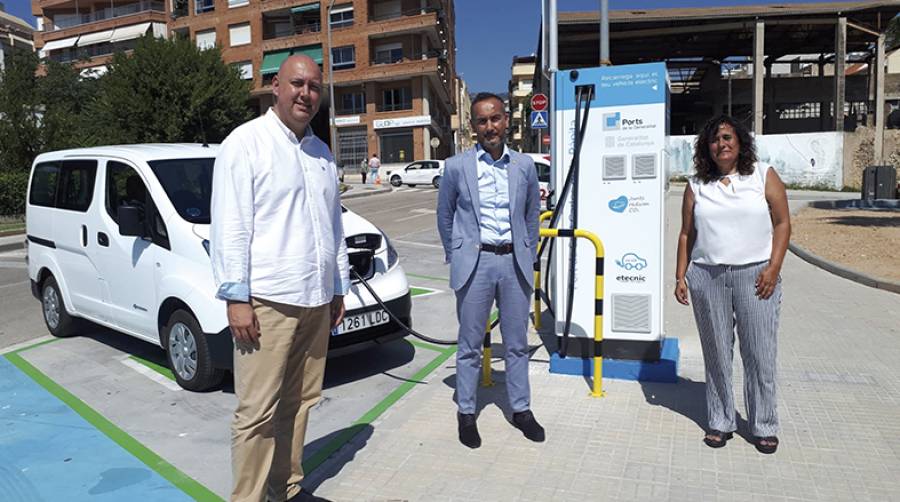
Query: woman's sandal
pixel 720 438
pixel 766 448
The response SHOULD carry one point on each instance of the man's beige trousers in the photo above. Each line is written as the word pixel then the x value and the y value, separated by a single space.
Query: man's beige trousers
pixel 276 384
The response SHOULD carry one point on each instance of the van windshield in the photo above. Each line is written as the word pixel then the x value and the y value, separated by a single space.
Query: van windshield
pixel 188 184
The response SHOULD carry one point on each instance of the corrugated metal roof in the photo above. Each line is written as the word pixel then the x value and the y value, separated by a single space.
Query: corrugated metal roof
pixel 718 13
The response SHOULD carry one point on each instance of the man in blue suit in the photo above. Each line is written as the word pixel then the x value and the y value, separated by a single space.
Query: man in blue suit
pixel 487 216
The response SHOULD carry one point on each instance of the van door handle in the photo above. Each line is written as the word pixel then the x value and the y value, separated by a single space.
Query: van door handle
pixel 84 238
pixel 102 239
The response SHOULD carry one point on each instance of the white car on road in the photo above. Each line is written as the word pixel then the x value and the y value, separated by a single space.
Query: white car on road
pixel 420 172
pixel 118 235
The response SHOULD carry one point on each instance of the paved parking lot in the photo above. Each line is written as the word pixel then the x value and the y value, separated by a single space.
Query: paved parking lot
pixel 94 418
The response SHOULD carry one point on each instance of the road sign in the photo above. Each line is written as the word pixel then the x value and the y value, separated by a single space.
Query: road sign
pixel 538 120
pixel 435 142
pixel 539 102
pixel 546 140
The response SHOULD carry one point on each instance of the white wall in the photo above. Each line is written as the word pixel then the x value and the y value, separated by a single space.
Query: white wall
pixel 808 159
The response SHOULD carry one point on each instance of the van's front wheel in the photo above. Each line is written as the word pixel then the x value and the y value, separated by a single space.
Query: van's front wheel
pixel 58 321
pixel 188 353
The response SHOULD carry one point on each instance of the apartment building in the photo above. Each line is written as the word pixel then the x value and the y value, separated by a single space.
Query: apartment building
pixel 461 121
pixel 15 35
pixel 520 87
pixel 393 60
pixel 86 33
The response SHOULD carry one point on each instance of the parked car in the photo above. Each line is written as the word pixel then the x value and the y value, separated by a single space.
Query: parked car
pixel 420 172
pixel 118 235
pixel 542 164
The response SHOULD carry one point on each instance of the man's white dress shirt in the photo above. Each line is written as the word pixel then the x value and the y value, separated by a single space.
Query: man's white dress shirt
pixel 276 230
pixel 493 193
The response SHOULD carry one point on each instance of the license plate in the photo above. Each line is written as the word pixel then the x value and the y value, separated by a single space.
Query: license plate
pixel 362 321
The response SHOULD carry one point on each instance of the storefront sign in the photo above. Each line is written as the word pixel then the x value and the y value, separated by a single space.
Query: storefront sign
pixel 419 120
pixel 342 121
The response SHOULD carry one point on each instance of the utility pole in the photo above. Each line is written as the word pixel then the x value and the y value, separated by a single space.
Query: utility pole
pixel 332 128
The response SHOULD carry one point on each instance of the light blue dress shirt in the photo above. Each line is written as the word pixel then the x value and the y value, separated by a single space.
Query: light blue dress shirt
pixel 493 192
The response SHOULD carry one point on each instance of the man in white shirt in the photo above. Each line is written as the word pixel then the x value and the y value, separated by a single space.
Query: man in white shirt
pixel 280 261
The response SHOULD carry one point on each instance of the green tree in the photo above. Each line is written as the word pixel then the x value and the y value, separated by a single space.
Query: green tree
pixel 168 91
pixel 65 97
pixel 20 111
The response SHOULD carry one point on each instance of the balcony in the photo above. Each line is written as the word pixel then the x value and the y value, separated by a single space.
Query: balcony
pixel 401 56
pixel 63 21
pixel 291 22
pixel 384 10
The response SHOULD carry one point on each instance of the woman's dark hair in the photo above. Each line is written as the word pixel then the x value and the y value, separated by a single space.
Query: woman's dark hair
pixel 705 166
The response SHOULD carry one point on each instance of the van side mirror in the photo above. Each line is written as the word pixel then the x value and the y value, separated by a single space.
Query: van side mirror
pixel 131 221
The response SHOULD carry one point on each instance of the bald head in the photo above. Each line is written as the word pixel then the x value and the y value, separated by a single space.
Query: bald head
pixel 298 92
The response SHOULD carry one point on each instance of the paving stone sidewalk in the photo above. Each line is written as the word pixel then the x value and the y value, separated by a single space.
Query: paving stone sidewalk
pixel 839 404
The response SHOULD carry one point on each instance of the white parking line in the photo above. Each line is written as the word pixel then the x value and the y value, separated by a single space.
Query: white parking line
pixel 12 264
pixel 152 375
pixel 13 284
pixel 421 212
pixel 410 243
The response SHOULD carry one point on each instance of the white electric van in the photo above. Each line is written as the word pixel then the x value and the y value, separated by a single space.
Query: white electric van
pixel 117 236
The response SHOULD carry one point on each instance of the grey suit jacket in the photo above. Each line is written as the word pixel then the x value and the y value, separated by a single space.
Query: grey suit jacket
pixel 458 214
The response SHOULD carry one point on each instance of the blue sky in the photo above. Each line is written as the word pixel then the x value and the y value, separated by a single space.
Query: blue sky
pixel 490 32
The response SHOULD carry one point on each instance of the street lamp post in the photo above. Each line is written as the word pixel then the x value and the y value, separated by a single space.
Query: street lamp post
pixel 332 129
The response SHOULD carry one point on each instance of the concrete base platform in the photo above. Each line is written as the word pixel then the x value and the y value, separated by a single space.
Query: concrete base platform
pixel 664 370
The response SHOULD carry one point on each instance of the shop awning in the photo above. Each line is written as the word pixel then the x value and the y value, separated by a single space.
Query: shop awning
pixel 272 60
pixel 305 8
pixel 54 45
pixel 95 38
pixel 130 32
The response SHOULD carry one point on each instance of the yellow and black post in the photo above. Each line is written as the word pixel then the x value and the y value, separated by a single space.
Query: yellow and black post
pixel 597 388
pixel 486 380
pixel 537 277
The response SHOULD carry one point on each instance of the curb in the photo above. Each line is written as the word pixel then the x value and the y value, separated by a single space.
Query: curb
pixel 13 246
pixel 840 270
pixel 349 194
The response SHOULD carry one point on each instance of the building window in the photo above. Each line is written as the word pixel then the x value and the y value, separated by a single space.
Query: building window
pixel 202 6
pixel 396 146
pixel 246 69
pixel 237 3
pixel 793 111
pixel 352 103
pixel 397 99
pixel 387 9
pixel 239 34
pixel 388 53
pixel 343 58
pixel 205 39
pixel 342 16
pixel 353 146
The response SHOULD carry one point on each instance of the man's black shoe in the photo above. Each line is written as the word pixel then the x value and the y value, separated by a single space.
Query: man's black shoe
pixel 525 422
pixel 468 431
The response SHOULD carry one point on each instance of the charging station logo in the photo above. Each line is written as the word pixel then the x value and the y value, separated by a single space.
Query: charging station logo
pixel 633 264
pixel 619 204
pixel 612 121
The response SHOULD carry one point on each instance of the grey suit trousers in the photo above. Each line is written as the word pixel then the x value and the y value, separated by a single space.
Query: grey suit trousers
pixel 495 278
pixel 725 302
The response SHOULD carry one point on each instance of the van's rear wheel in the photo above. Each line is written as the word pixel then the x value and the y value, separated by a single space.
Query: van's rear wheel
pixel 188 353
pixel 58 321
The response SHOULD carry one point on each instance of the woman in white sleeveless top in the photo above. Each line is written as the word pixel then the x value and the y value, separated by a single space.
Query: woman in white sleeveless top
pixel 734 233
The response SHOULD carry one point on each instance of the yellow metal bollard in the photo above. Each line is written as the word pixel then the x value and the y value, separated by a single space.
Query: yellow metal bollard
pixel 537 278
pixel 597 387
pixel 486 380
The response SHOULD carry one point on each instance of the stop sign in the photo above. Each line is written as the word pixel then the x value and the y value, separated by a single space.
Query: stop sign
pixel 539 102
pixel 546 140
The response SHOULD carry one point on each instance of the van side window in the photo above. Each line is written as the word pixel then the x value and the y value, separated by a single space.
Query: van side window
pixel 43 185
pixel 76 185
pixel 124 187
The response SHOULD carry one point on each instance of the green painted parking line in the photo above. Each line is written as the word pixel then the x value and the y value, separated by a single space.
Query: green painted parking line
pixel 33 346
pixel 429 277
pixel 169 472
pixel 162 370
pixel 425 345
pixel 318 458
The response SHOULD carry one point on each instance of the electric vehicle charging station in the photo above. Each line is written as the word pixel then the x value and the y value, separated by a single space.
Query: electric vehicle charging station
pixel 617 193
